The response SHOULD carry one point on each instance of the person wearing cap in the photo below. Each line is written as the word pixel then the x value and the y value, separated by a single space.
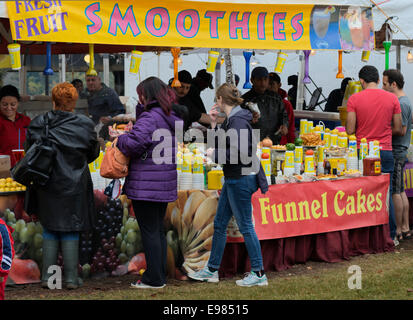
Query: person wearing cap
pixel 275 86
pixel 183 99
pixel 202 80
pixel 273 119
pixel 13 125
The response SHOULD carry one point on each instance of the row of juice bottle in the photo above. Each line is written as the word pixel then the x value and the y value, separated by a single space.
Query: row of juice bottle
pixel 318 161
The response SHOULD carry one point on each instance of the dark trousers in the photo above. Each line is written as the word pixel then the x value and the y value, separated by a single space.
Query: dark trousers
pixel 150 217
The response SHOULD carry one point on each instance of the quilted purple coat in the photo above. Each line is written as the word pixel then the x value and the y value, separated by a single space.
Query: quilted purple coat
pixel 148 180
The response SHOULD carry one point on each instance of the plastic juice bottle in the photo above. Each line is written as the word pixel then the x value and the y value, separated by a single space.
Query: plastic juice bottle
pixel 352 162
pixel 372 163
pixel 342 140
pixel 289 163
pixel 376 148
pixel 214 178
pixel 320 159
pixel 266 163
pixel 334 138
pixel 327 138
pixel 309 166
pixel 298 159
pixel 352 145
pixel 364 152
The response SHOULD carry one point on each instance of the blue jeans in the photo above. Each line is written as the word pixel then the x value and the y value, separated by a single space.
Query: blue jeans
pixel 235 199
pixel 58 235
pixel 387 166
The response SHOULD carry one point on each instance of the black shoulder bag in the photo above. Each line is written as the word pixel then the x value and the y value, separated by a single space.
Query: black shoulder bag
pixel 35 167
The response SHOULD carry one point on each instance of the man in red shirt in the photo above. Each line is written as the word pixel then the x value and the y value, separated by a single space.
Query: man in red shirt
pixel 375 114
pixel 275 85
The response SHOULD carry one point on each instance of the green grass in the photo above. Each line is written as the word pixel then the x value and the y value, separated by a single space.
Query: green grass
pixel 384 276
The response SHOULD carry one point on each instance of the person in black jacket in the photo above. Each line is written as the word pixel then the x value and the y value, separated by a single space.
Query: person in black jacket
pixel 65 205
pixel 243 176
pixel 273 121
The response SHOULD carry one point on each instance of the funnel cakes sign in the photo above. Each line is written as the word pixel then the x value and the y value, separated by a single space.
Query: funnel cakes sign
pixel 193 24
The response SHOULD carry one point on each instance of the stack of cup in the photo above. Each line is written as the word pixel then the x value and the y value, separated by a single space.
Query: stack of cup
pixel 309 166
pixel 364 152
pixel 320 159
pixel 303 126
pixel 178 167
pixel 289 163
pixel 298 159
pixel 352 160
pixel 185 181
pixel 198 178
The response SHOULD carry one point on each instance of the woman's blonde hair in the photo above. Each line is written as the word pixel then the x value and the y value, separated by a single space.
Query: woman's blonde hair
pixel 64 95
pixel 230 94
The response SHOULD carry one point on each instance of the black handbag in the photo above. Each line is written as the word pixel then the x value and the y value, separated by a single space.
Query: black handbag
pixel 35 168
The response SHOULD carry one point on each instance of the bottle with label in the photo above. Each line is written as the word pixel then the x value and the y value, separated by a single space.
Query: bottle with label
pixel 363 153
pixel 215 178
pixel 334 138
pixel 376 148
pixel 309 165
pixel 352 159
pixel 342 140
pixel 371 166
pixel 327 138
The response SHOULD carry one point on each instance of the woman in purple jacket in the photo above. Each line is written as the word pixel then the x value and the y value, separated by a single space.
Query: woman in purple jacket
pixel 152 179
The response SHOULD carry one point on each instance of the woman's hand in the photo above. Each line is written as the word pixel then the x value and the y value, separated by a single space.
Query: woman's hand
pixel 210 152
pixel 213 115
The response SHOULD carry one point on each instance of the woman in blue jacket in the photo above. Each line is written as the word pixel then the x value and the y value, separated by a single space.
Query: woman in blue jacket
pixel 243 176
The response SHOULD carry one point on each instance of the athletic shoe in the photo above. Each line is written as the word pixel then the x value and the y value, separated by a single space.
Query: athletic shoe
pixel 140 285
pixel 252 279
pixel 204 275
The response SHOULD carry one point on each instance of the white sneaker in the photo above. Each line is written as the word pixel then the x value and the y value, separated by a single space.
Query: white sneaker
pixel 396 242
pixel 140 285
pixel 252 279
pixel 205 275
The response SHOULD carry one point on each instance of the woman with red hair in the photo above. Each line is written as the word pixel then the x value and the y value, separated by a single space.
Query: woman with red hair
pixel 65 205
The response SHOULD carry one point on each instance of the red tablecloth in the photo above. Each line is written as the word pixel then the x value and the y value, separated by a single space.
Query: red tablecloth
pixel 281 254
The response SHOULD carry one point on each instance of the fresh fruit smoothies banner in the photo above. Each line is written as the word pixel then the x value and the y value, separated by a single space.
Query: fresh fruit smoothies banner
pixel 193 24
pixel 304 208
